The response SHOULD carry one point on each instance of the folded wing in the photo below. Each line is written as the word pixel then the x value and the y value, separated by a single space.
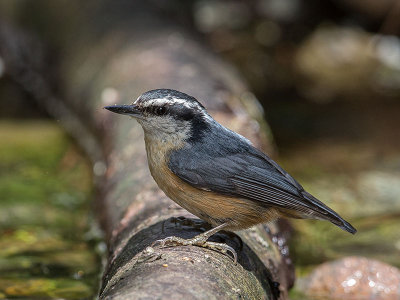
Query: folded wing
pixel 248 173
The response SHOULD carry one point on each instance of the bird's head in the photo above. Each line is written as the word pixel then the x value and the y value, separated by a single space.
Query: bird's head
pixel 167 114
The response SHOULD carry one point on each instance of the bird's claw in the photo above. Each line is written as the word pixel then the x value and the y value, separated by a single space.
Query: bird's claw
pixel 173 241
pixel 220 247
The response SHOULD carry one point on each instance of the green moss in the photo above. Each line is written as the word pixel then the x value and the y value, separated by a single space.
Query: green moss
pixel 317 241
pixel 45 288
pixel 39 164
pixel 362 190
pixel 295 294
pixel 45 186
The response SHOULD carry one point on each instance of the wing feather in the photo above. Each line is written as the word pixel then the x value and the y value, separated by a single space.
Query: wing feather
pixel 245 172
pixel 241 175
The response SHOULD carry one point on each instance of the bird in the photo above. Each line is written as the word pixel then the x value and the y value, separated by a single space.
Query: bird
pixel 215 173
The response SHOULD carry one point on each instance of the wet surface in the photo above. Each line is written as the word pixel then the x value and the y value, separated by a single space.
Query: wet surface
pixel 346 154
pixel 353 278
pixel 48 242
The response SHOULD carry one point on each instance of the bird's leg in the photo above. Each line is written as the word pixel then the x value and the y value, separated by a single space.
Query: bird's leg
pixel 199 240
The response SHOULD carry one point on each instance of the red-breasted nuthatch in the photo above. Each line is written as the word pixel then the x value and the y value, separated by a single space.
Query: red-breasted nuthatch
pixel 215 173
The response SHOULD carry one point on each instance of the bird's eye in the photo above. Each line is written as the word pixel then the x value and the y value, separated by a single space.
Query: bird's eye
pixel 160 110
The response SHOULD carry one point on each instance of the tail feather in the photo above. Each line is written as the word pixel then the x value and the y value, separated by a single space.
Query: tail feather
pixel 321 211
pixel 346 226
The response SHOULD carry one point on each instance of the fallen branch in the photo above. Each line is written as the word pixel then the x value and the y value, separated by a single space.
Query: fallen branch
pixel 125 60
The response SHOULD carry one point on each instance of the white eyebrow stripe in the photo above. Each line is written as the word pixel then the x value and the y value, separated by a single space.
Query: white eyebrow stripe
pixel 164 101
pixel 172 100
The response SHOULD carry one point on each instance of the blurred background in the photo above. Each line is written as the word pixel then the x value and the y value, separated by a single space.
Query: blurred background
pixel 327 74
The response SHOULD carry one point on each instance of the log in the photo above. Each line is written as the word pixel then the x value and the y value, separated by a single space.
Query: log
pixel 116 62
pixel 134 270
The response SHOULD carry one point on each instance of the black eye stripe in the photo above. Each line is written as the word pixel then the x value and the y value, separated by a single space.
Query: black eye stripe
pixel 156 110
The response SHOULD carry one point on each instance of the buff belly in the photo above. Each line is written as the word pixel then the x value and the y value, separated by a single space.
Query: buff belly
pixel 211 207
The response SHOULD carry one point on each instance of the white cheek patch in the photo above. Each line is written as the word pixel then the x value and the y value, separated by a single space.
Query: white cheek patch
pixel 165 123
pixel 167 129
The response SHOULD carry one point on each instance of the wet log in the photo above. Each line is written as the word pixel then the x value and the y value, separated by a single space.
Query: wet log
pixel 134 269
pixel 116 62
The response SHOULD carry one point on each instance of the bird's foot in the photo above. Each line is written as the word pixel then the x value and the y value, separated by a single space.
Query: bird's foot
pixel 200 241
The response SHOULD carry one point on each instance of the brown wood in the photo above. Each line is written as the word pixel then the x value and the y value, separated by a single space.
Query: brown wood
pixel 116 56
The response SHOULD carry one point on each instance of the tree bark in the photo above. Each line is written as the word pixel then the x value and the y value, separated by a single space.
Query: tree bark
pixel 114 60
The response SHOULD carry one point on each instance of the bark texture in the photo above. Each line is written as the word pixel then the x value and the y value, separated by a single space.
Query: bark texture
pixel 148 215
pixel 118 53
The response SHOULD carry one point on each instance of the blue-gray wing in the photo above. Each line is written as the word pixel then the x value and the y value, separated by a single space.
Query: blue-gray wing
pixel 244 175
pixel 249 173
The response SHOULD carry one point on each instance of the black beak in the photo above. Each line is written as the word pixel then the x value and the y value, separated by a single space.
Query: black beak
pixel 130 110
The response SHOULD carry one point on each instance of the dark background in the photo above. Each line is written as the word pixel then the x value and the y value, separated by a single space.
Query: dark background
pixel 327 74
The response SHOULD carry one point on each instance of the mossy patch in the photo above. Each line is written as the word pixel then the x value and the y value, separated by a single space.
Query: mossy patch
pixel 45 188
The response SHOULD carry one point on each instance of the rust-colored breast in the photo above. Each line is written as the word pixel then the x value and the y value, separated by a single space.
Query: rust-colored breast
pixel 209 206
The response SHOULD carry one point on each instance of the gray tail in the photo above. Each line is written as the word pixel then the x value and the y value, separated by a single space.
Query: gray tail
pixel 322 211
